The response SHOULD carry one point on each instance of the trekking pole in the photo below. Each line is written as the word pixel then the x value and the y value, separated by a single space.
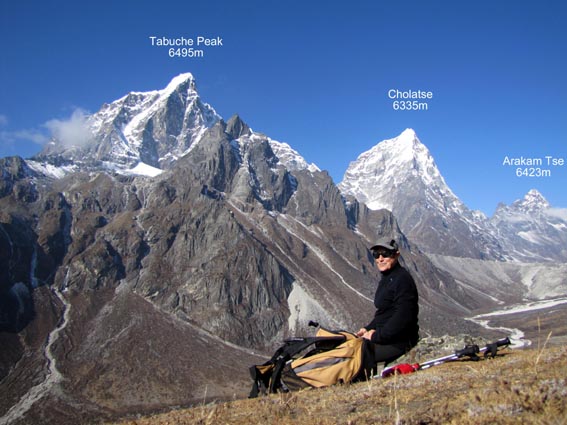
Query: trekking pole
pixel 490 350
pixel 470 351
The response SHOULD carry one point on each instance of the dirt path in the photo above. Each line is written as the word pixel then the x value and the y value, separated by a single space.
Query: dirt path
pixel 53 376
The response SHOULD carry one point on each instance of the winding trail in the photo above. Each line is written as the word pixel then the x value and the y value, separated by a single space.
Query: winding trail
pixel 516 335
pixel 53 376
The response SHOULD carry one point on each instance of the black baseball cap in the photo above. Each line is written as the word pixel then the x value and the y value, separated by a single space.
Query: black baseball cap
pixel 389 244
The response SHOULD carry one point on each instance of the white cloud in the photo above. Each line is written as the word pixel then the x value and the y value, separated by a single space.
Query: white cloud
pixel 557 212
pixel 71 132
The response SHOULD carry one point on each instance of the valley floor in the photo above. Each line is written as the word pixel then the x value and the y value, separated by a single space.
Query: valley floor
pixel 532 325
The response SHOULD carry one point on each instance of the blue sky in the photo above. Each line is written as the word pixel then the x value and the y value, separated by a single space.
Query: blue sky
pixel 314 74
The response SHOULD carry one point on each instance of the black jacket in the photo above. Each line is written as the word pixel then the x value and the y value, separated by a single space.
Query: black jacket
pixel 396 301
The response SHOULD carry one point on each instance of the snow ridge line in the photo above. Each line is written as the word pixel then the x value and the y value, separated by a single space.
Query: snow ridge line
pixel 283 254
pixel 324 260
pixel 186 323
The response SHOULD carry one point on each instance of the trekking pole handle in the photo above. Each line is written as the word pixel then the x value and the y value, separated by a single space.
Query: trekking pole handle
pixel 491 349
pixel 503 342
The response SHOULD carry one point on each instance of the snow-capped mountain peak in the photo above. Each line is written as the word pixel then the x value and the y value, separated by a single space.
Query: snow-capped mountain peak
pixel 153 128
pixel 243 135
pixel 530 229
pixel 400 161
pixel 532 202
pixel 180 81
pixel 400 175
pixel 291 158
pixel 145 132
pixel 407 143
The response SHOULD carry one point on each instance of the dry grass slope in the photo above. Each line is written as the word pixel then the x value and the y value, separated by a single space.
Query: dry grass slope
pixel 518 386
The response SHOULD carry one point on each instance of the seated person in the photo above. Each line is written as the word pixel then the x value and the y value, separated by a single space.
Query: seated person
pixel 394 329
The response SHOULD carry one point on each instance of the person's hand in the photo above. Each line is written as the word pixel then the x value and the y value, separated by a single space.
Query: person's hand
pixel 361 332
pixel 368 335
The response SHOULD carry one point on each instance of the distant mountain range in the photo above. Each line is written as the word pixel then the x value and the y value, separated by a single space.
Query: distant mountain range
pixel 400 175
pixel 148 262
pixel 142 133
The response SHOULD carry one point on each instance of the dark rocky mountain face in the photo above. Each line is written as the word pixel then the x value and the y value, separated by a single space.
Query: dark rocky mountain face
pixel 129 294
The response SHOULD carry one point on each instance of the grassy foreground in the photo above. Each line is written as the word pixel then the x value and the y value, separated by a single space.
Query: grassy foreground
pixel 519 386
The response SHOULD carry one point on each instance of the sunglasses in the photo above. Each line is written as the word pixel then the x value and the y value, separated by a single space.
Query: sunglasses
pixel 384 254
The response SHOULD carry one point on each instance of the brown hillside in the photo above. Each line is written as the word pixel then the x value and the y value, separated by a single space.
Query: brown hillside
pixel 518 386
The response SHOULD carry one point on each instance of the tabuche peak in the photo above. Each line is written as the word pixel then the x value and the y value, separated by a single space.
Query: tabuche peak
pixel 180 80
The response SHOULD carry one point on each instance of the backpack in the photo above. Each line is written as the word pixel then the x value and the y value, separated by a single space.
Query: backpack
pixel 329 358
